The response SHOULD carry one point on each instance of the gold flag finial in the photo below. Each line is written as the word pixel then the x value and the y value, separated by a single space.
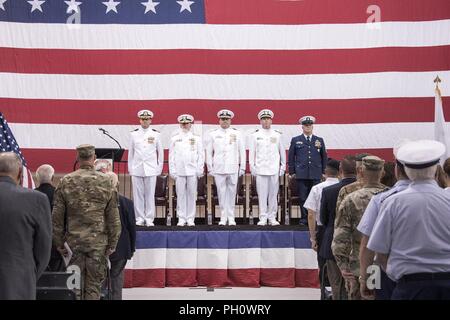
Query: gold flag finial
pixel 437 80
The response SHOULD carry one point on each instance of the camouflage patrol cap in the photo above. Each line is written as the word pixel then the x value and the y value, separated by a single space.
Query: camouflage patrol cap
pixel 373 163
pixel 85 151
pixel 360 156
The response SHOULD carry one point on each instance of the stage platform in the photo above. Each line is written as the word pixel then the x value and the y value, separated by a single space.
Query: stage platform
pixel 222 256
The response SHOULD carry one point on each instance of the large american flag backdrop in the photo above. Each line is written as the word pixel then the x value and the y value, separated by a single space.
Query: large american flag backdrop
pixel 365 69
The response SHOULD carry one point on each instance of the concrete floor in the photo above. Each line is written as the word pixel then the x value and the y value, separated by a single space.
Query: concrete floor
pixel 201 293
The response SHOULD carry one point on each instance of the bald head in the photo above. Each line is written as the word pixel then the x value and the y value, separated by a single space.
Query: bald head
pixel 10 165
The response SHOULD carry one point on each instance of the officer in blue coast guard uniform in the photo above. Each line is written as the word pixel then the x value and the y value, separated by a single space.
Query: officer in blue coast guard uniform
pixel 307 160
pixel 412 232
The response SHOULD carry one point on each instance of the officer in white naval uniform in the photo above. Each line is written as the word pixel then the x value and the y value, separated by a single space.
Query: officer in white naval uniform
pixel 145 163
pixel 267 158
pixel 225 159
pixel 186 164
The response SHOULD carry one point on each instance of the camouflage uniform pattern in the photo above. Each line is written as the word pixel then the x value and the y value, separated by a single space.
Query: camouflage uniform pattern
pixel 344 192
pixel 91 203
pixel 347 238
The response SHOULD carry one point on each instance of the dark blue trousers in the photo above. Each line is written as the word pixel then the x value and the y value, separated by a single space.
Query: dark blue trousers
pixel 422 290
pixel 387 287
pixel 304 188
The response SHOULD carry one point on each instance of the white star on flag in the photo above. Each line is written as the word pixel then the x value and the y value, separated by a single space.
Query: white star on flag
pixel 111 5
pixel 73 5
pixel 185 5
pixel 150 6
pixel 1 4
pixel 36 5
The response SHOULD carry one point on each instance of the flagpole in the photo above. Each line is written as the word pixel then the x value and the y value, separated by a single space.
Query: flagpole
pixel 438 80
pixel 439 120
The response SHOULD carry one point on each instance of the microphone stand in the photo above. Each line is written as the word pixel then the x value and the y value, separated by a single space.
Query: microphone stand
pixel 107 134
pixel 113 155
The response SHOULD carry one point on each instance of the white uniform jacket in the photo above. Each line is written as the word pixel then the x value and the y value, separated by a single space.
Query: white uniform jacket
pixel 225 151
pixel 146 153
pixel 186 154
pixel 266 153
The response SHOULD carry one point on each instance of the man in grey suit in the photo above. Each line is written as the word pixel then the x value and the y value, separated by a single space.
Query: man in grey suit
pixel 25 232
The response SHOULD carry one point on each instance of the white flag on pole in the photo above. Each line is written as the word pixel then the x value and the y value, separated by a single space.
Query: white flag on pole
pixel 440 125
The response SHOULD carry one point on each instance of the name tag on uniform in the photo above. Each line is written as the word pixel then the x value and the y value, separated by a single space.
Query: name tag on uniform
pixel 151 140
pixel 232 138
pixel 299 142
pixel 259 138
pixel 273 140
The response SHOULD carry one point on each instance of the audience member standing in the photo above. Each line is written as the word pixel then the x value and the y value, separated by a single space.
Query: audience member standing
pixel 347 238
pixel 347 171
pixel 25 232
pixel 126 246
pixel 88 199
pixel 411 235
pixel 447 173
pixel 365 226
pixel 44 175
pixel 312 204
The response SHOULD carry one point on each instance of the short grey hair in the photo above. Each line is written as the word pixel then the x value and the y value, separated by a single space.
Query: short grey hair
pixel 44 173
pixel 10 163
pixel 421 174
pixel 100 164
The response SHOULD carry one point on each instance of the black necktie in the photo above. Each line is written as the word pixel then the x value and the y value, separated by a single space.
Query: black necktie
pixel 309 139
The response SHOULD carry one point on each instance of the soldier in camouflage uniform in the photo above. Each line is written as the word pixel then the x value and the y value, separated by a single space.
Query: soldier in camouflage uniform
pixel 89 200
pixel 347 238
pixel 352 187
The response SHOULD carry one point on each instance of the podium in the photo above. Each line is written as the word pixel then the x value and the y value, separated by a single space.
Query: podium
pixel 110 155
pixel 107 153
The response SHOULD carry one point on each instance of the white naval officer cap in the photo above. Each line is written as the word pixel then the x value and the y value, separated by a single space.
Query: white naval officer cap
pixel 307 120
pixel 225 114
pixel 145 114
pixel 398 145
pixel 265 113
pixel 420 154
pixel 185 118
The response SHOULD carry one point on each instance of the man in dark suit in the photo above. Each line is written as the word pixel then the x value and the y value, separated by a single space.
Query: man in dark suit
pixel 44 175
pixel 126 246
pixel 330 194
pixel 307 160
pixel 25 232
